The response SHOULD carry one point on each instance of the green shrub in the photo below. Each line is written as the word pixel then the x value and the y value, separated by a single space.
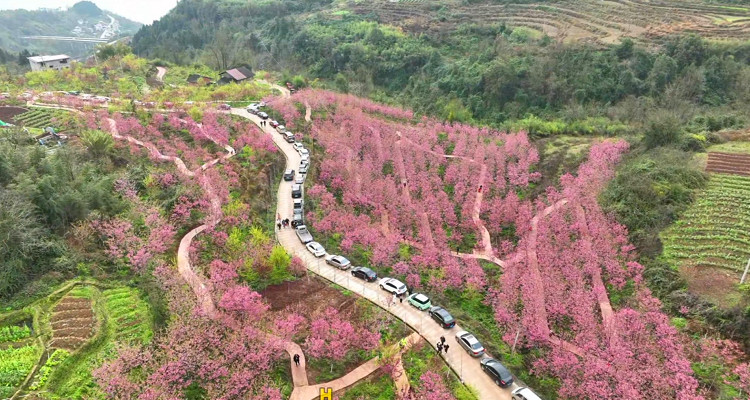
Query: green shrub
pixel 14 333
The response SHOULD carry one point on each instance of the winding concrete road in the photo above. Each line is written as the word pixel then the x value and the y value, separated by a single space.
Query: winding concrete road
pixel 465 366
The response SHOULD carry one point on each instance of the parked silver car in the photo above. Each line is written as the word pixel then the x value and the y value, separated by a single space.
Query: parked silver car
pixel 303 234
pixel 470 343
pixel 339 262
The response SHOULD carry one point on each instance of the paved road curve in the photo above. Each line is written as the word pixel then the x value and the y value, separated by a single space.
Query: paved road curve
pixel 467 367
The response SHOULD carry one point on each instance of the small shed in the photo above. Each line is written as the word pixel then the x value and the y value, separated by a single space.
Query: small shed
pixel 236 75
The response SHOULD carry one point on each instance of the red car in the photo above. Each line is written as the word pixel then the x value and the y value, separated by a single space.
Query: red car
pixel 274 123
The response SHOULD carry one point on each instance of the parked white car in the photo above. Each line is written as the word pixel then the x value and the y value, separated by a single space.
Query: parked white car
pixel 305 153
pixel 392 285
pixel 316 249
pixel 298 146
pixel 524 393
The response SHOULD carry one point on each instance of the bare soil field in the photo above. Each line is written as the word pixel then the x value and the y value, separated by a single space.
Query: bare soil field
pixel 72 323
pixel 728 163
pixel 8 113
pixel 596 21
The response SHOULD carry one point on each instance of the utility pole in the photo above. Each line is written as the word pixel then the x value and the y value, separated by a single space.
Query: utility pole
pixel 744 274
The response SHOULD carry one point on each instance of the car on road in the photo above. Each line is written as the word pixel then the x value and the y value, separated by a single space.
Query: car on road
pixel 392 285
pixel 289 137
pixel 296 191
pixel 420 301
pixel 263 115
pixel 281 129
pixel 303 167
pixel 300 179
pixel 364 273
pixel 289 175
pixel 303 234
pixel 470 343
pixel 73 93
pixel 273 123
pixel 298 204
pixel 497 372
pixel 339 262
pixel 224 107
pixel 524 393
pixel 442 317
pixel 304 153
pixel 298 146
pixel 316 249
pixel 253 108
pixel 297 219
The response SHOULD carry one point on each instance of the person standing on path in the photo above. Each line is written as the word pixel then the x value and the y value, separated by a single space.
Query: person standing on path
pixel 394 299
pixel 296 359
pixel 439 347
pixel 446 348
pixel 278 223
pixel 401 299
pixel 442 339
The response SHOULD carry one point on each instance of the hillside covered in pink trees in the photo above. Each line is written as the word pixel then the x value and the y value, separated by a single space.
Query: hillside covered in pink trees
pixel 428 201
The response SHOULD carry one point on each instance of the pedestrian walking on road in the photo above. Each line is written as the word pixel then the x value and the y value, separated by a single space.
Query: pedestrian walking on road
pixel 296 359
pixel 446 348
pixel 278 223
pixel 401 299
pixel 480 189
pixel 442 339
pixel 439 347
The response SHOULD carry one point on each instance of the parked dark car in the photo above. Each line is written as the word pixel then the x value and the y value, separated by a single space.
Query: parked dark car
pixel 289 175
pixel 296 191
pixel 365 273
pixel 442 317
pixel 263 115
pixel 497 372
pixel 297 220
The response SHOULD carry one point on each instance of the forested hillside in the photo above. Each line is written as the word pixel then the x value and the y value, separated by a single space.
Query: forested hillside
pixel 84 19
pixel 488 72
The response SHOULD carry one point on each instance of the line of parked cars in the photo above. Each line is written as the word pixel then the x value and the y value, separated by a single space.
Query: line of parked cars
pixel 492 367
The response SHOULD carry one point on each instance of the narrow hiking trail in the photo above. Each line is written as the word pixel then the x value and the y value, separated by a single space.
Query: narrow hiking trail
pixel 310 392
pixel 160 72
pixel 487 252
pixel 200 288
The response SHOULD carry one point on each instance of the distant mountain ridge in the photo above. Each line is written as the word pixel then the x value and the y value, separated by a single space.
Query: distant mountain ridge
pixel 84 19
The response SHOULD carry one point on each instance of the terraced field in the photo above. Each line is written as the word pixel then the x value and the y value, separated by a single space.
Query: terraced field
pixel 601 21
pixel 711 242
pixel 72 323
pixel 37 118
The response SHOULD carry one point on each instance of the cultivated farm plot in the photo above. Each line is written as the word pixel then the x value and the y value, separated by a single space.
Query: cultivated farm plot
pixel 573 20
pixel 712 239
pixel 131 315
pixel 72 323
pixel 37 118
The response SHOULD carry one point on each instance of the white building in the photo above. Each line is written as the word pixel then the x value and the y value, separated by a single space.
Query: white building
pixel 58 62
